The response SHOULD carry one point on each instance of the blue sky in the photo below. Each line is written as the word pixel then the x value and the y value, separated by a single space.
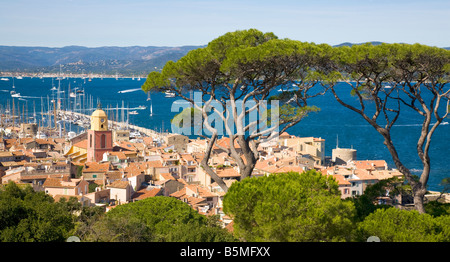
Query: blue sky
pixel 94 23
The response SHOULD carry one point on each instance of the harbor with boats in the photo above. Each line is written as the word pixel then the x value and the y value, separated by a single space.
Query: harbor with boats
pixel 61 106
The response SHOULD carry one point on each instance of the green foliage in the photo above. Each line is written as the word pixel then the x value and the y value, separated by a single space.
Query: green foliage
pixel 437 209
pixel 28 216
pixel 161 219
pixel 395 225
pixel 289 207
pixel 79 171
pixel 366 203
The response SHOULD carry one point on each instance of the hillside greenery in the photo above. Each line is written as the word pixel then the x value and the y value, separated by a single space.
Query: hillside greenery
pixel 288 207
pixel 110 60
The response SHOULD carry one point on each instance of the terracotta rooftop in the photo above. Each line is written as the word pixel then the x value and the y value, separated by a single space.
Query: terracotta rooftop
pixel 96 167
pixel 119 184
pixel 145 193
pixel 227 172
pixel 370 164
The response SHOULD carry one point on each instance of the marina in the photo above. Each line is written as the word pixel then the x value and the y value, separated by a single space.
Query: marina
pixel 37 102
pixel 60 106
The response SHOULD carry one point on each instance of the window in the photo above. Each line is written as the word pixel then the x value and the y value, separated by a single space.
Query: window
pixel 103 141
pixel 90 140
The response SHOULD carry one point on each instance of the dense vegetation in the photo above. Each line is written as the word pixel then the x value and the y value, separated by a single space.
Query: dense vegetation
pixel 287 207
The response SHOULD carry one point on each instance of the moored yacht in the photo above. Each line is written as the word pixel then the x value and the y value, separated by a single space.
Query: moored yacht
pixel 169 94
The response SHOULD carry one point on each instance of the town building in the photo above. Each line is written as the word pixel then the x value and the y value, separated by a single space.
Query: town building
pixel 99 137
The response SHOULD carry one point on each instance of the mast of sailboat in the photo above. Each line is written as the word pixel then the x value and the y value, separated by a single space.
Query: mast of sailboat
pixel 42 108
pixel 58 96
pixel 26 115
pixel 34 112
pixel 68 99
pixel 18 112
pixel 117 115
pixel 48 113
pixel 54 112
pixel 123 116
pixel 14 119
pixel 128 113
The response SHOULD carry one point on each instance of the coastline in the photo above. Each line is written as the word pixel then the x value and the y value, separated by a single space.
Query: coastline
pixel 70 75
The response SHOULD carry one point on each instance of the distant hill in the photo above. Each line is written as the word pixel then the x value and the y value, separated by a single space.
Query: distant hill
pixel 373 43
pixel 78 59
pixel 351 44
pixel 108 60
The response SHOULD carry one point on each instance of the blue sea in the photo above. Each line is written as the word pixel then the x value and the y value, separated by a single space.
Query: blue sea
pixel 333 122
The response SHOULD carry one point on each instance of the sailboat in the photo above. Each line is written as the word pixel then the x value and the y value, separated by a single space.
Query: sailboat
pixel 151 104
pixel 13 91
pixel 53 86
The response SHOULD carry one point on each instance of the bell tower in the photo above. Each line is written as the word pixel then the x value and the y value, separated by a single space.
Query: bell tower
pixel 99 137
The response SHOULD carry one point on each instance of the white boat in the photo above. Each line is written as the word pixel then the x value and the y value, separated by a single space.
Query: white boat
pixel 141 107
pixel 71 134
pixel 41 135
pixel 133 113
pixel 387 86
pixel 135 134
pixel 19 77
pixel 4 79
pixel 72 94
pixel 169 94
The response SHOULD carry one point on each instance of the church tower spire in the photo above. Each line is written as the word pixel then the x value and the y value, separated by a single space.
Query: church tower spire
pixel 99 136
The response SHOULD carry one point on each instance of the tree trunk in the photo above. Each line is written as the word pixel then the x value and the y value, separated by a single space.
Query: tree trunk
pixel 419 195
pixel 209 170
pixel 418 190
pixel 250 160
